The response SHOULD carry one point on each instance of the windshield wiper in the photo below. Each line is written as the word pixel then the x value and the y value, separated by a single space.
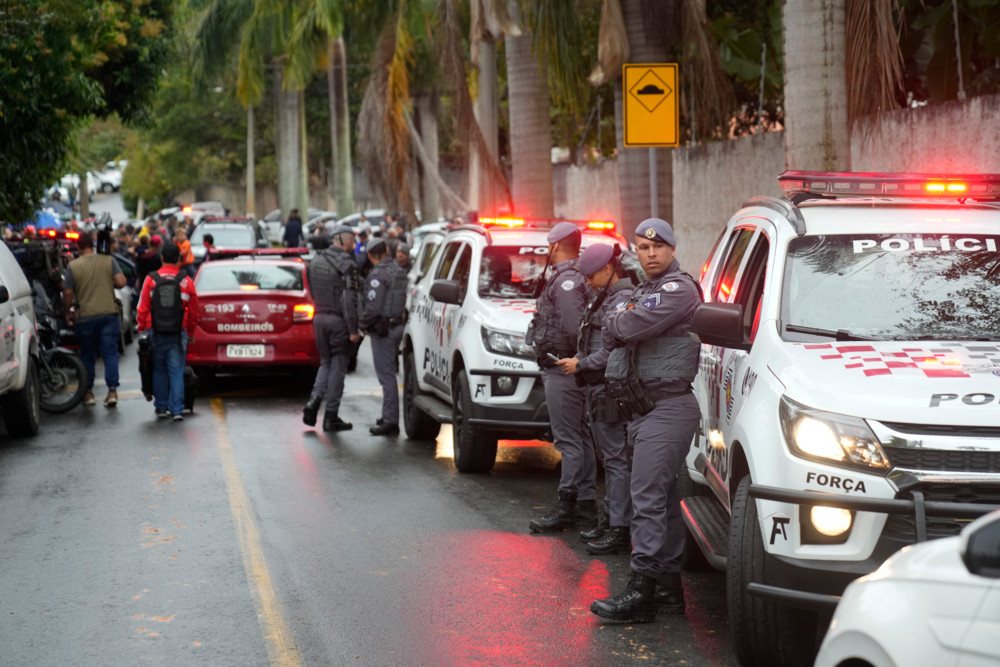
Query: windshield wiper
pixel 839 334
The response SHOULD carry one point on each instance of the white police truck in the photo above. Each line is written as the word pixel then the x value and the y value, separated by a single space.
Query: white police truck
pixel 849 387
pixel 465 362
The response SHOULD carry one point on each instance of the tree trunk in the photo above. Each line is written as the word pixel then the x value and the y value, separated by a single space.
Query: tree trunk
pixel 251 173
pixel 303 174
pixel 83 195
pixel 531 129
pixel 342 167
pixel 482 193
pixel 331 181
pixel 287 136
pixel 430 198
pixel 633 163
pixel 816 134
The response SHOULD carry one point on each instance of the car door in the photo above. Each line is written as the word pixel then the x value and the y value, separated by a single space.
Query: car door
pixel 738 278
pixel 435 360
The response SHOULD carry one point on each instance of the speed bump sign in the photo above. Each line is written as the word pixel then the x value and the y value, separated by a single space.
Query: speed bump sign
pixel 651 106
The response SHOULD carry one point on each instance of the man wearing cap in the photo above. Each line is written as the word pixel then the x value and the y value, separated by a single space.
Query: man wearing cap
pixel 650 373
pixel 383 319
pixel 333 281
pixel 601 265
pixel 403 257
pixel 553 332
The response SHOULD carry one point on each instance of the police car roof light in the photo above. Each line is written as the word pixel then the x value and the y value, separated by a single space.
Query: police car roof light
pixel 601 225
pixel 868 184
pixel 258 252
pixel 502 222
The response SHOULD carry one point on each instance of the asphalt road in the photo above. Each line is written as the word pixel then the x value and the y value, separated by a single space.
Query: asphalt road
pixel 242 537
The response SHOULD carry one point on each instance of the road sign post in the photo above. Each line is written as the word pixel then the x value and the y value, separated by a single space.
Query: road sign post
pixel 651 113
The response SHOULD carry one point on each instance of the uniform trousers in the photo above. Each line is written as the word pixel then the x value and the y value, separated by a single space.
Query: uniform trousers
pixel 615 456
pixel 567 404
pixel 332 338
pixel 386 364
pixel 661 439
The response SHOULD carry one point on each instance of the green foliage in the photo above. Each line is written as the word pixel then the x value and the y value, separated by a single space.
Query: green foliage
pixel 62 61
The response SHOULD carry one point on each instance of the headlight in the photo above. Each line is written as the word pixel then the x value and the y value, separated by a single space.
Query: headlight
pixel 829 437
pixel 509 344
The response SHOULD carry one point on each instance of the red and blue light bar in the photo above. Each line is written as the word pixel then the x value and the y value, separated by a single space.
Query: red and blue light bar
pixel 871 184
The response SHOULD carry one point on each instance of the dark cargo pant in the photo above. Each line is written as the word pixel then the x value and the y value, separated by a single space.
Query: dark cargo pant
pixel 384 358
pixel 332 338
pixel 661 438
pixel 567 403
pixel 609 437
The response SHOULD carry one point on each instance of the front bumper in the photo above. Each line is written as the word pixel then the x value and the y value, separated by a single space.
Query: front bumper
pixel 527 418
pixel 818 584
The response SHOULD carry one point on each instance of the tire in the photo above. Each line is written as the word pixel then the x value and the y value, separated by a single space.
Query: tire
pixel 418 424
pixel 21 411
pixel 764 632
pixel 692 558
pixel 475 449
pixel 107 188
pixel 63 386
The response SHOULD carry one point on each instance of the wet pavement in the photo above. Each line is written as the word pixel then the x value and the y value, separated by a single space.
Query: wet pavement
pixel 242 537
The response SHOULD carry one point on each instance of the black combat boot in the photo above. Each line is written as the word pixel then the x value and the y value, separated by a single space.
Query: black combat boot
pixel 586 513
pixel 385 428
pixel 333 422
pixel 563 516
pixel 633 605
pixel 597 532
pixel 616 540
pixel 669 596
pixel 312 408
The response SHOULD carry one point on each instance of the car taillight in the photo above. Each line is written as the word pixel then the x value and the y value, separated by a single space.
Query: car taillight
pixel 303 312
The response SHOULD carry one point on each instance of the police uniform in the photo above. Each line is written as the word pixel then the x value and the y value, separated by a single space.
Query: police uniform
pixel 606 420
pixel 650 372
pixel 554 331
pixel 383 317
pixel 333 281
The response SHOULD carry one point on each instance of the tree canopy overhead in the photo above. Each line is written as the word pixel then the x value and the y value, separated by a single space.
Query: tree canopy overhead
pixel 62 61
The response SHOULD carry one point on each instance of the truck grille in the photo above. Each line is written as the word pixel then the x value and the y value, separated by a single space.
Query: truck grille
pixel 950 460
pixel 903 526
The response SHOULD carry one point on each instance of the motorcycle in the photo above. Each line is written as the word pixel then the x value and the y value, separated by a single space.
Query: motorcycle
pixel 62 373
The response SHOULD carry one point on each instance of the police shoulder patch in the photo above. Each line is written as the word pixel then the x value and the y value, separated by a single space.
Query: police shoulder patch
pixel 567 285
pixel 670 287
pixel 371 295
pixel 650 301
pixel 374 282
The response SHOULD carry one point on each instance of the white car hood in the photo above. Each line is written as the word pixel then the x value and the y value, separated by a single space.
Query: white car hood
pixel 955 383
pixel 508 314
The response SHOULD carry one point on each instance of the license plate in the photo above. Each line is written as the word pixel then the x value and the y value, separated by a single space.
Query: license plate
pixel 245 351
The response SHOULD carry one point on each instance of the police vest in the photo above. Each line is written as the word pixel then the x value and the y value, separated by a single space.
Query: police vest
pixel 394 300
pixel 673 357
pixel 548 334
pixel 593 318
pixel 330 273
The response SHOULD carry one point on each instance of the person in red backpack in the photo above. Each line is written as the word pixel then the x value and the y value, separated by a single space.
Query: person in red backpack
pixel 169 306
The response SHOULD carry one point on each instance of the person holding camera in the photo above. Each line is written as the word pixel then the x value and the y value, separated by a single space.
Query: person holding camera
pixel 383 318
pixel 90 282
pixel 601 266
pixel 649 372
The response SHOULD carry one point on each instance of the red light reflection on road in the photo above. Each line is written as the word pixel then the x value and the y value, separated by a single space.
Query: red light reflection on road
pixel 499 599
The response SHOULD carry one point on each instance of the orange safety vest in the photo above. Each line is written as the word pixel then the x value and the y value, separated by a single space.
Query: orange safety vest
pixel 187 257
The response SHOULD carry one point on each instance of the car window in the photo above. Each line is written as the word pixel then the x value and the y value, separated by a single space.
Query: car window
pixel 749 291
pixel 450 252
pixel 427 254
pixel 463 265
pixel 224 276
pixel 894 286
pixel 234 237
pixel 722 289
pixel 509 272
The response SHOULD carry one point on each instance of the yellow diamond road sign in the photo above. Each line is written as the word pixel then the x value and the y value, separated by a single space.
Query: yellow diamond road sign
pixel 650 93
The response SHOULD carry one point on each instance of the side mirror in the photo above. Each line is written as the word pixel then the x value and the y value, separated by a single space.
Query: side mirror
pixel 447 291
pixel 4 294
pixel 981 546
pixel 720 324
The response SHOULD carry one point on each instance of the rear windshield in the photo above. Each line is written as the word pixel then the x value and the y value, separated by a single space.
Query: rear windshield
pixel 234 237
pixel 223 276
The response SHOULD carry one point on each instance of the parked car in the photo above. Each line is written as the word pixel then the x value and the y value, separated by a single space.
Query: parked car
pixel 933 603
pixel 20 388
pixel 271 224
pixel 94 182
pixel 228 234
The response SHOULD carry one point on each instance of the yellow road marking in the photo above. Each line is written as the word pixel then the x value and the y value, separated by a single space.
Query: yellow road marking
pixel 281 647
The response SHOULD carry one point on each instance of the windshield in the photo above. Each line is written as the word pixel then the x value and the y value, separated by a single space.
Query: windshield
pixel 223 276
pixel 898 287
pixel 230 237
pixel 511 271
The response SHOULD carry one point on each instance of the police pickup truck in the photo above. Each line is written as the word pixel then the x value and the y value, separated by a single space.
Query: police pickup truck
pixel 850 391
pixel 465 361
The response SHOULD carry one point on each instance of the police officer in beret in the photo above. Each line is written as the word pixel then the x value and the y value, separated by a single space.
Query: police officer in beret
pixel 601 265
pixel 333 281
pixel 553 333
pixel 650 373
pixel 383 318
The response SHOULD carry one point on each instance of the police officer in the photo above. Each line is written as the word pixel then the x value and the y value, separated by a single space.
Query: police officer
pixel 333 280
pixel 383 318
pixel 650 372
pixel 601 265
pixel 553 333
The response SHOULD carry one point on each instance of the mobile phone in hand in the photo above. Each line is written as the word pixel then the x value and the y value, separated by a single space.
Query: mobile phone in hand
pixel 552 356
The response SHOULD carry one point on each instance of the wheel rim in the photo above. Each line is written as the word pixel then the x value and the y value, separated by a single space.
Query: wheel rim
pixel 60 385
pixel 458 425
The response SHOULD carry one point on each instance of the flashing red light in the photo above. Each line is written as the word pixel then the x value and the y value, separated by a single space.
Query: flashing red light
pixel 186 209
pixel 73 235
pixel 48 232
pixel 889 185
pixel 601 224
pixel 503 222
pixel 303 312
pixel 249 288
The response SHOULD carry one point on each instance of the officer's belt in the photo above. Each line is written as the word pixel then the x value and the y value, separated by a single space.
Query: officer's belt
pixel 657 396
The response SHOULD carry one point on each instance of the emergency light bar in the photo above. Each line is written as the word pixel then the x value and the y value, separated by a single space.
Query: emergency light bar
pixel 58 234
pixel 543 223
pixel 258 252
pixel 860 184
